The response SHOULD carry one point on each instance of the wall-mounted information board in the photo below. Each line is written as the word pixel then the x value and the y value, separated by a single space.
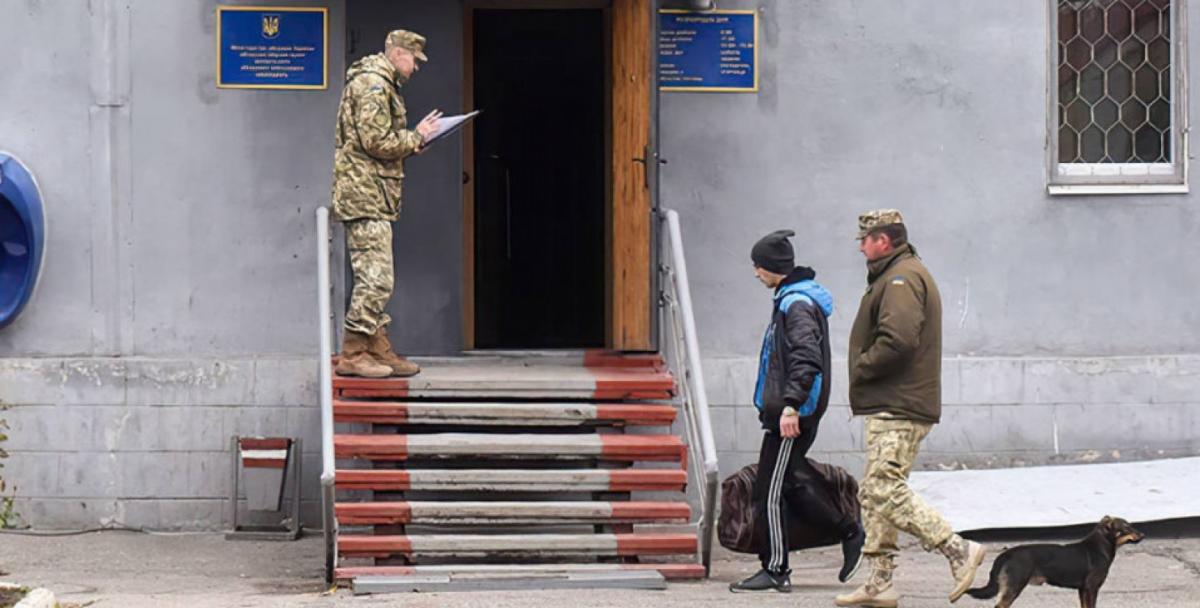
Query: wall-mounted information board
pixel 261 47
pixel 715 51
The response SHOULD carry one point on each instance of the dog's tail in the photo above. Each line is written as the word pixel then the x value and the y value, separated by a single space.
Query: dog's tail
pixel 992 588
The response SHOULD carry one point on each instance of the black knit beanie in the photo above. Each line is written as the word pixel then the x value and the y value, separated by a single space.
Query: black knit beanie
pixel 773 252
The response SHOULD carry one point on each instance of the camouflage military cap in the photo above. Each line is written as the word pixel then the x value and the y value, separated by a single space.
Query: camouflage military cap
pixel 874 220
pixel 407 40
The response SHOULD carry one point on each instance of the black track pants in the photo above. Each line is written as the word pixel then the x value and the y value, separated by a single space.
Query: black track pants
pixel 788 483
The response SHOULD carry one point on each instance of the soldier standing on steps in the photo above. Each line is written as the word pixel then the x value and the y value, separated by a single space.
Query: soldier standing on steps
pixel 896 382
pixel 372 142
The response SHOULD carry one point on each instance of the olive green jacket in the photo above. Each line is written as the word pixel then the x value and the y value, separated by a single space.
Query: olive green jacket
pixel 372 142
pixel 896 341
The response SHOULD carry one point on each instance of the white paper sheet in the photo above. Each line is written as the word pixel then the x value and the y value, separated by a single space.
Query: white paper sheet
pixel 450 124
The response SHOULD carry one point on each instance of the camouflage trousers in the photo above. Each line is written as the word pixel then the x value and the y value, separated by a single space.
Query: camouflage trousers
pixel 369 243
pixel 889 505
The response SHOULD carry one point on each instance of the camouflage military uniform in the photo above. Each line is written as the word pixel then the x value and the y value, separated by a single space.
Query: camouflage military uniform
pixel 372 142
pixel 369 243
pixel 888 504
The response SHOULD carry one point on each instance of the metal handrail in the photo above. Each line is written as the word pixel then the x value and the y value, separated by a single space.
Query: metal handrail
pixel 325 371
pixel 685 347
pixel 677 299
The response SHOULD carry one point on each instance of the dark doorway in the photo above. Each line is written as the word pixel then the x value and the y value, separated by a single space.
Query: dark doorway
pixel 539 178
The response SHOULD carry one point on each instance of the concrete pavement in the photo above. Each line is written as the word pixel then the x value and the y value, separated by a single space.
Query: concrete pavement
pixel 134 570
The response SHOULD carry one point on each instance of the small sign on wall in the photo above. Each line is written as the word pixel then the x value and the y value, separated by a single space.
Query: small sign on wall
pixel 708 52
pixel 265 47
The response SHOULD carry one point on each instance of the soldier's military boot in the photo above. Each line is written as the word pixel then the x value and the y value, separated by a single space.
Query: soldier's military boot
pixel 381 349
pixel 356 361
pixel 877 592
pixel 964 557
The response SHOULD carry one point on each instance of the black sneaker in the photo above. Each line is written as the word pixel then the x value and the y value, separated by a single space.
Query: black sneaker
pixel 764 581
pixel 852 554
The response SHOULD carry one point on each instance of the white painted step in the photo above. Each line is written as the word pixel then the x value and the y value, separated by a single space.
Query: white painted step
pixel 672 571
pixel 510 513
pixel 614 447
pixel 502 414
pixel 427 583
pixel 512 480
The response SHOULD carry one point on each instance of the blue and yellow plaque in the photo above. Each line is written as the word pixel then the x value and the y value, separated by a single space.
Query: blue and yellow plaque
pixel 265 47
pixel 714 51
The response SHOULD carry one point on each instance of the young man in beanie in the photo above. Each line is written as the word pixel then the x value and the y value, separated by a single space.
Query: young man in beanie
pixel 791 394
pixel 895 381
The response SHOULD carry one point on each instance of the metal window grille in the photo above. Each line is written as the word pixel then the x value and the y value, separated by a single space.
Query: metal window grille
pixel 1115 81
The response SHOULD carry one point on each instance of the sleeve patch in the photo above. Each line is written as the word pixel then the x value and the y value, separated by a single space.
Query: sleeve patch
pixel 898 281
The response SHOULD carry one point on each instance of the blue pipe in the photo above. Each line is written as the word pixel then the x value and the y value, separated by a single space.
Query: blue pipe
pixel 22 237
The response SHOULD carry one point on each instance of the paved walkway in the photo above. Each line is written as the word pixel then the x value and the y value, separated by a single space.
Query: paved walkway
pixel 132 570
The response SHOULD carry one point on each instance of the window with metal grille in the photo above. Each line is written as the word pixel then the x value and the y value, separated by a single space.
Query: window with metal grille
pixel 1117 118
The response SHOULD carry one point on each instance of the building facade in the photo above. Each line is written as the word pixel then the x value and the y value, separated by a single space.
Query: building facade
pixel 1036 147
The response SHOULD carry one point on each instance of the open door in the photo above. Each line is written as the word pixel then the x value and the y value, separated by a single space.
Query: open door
pixel 539 178
pixel 558 219
pixel 634 176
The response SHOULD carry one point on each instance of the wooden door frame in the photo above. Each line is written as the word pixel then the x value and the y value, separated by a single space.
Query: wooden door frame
pixel 632 302
pixel 468 194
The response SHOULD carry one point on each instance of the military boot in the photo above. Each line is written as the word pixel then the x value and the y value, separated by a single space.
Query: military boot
pixel 381 348
pixel 965 557
pixel 877 592
pixel 356 361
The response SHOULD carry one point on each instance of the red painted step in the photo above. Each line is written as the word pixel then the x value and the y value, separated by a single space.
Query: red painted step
pixel 513 480
pixel 542 545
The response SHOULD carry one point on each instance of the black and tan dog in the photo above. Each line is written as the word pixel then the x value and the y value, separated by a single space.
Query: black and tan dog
pixel 1083 565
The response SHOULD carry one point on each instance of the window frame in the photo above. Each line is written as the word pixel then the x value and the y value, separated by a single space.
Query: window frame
pixel 1122 178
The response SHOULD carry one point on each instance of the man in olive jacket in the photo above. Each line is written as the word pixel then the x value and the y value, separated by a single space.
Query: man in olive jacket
pixel 372 140
pixel 895 381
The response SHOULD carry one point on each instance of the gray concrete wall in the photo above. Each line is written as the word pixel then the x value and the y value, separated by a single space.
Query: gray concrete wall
pixel 179 278
pixel 1055 307
pixel 177 305
pixel 52 123
pixel 941 114
pixel 428 243
pixel 146 441
pixel 1001 412
pixel 181 215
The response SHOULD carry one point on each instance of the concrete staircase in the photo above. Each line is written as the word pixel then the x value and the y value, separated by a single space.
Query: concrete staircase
pixel 513 466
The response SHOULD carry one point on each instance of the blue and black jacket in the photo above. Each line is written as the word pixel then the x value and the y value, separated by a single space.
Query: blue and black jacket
pixel 794 363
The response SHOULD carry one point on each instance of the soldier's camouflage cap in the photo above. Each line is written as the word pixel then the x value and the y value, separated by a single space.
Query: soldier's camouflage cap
pixel 873 220
pixel 408 40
